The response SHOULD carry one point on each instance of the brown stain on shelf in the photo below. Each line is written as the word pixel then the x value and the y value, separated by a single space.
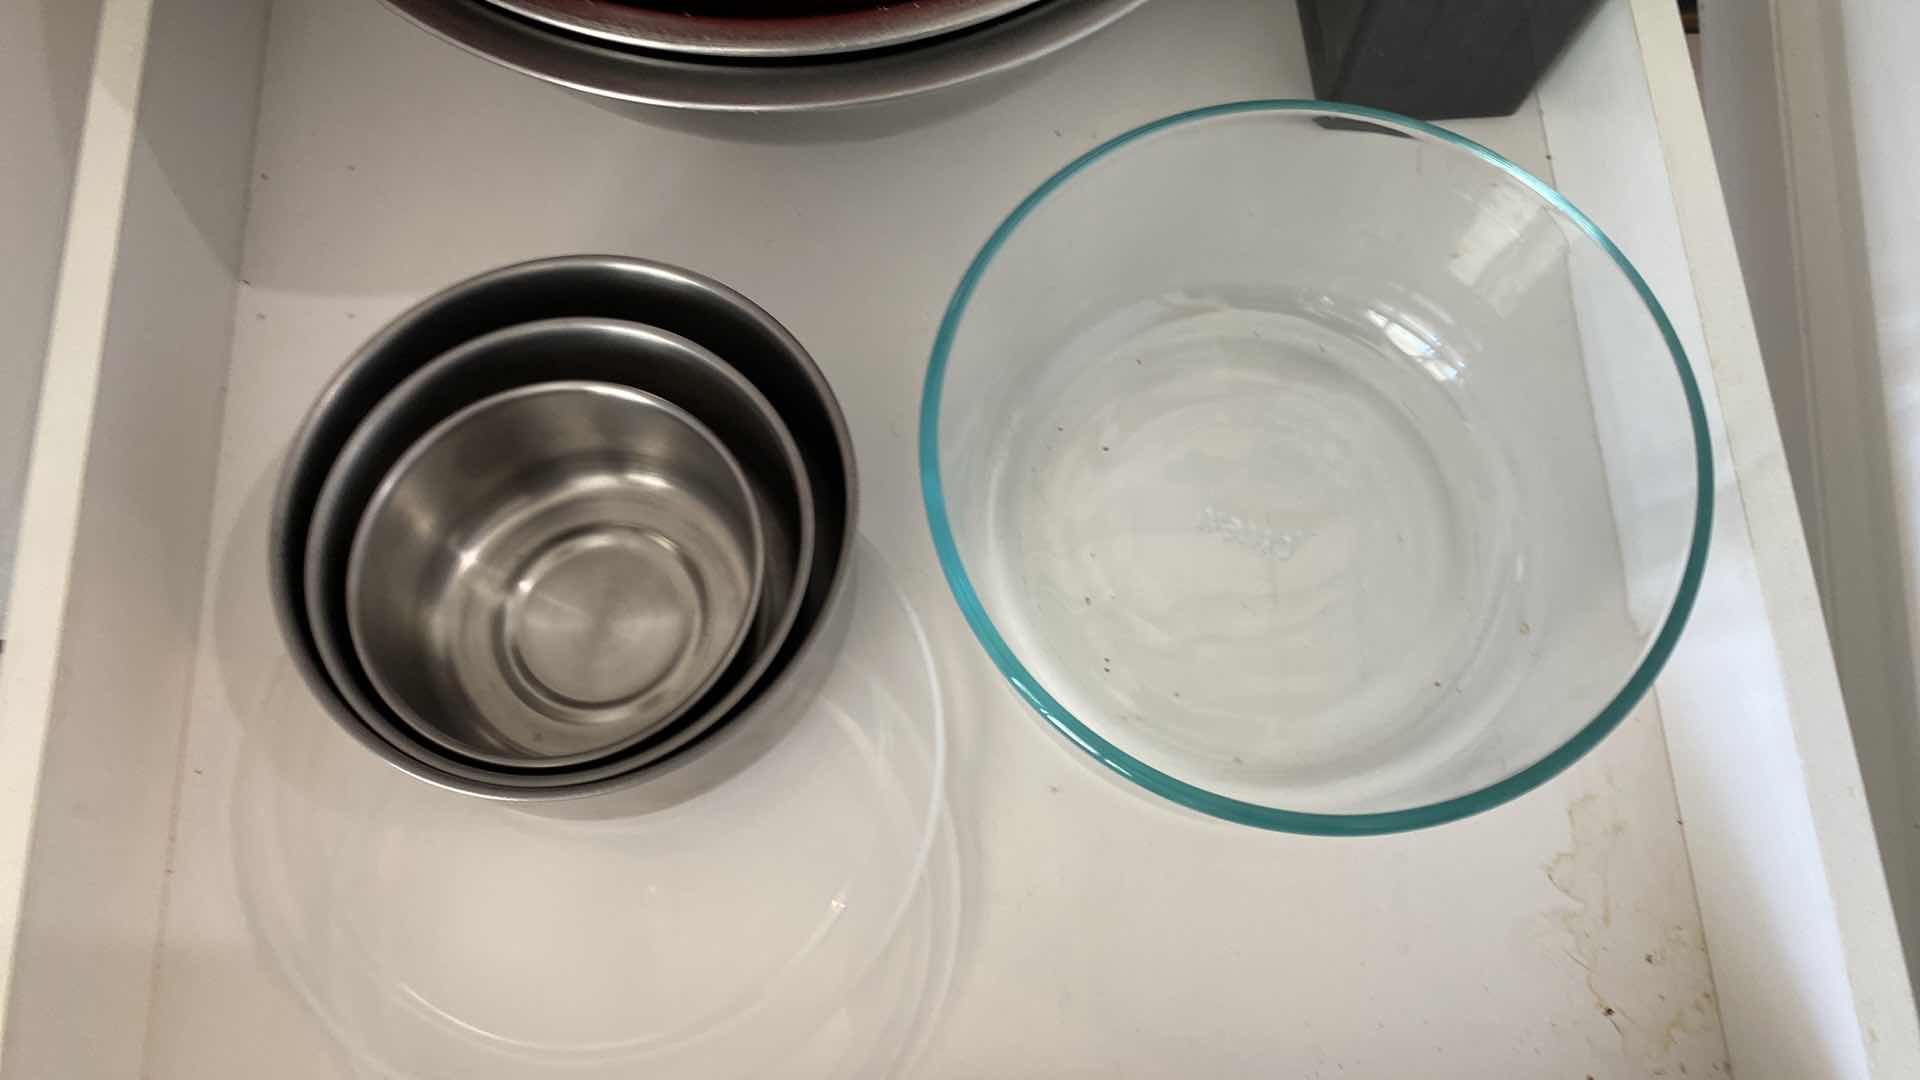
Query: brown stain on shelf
pixel 1653 1022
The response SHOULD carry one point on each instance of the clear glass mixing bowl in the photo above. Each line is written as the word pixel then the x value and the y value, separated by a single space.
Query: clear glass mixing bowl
pixel 1315 468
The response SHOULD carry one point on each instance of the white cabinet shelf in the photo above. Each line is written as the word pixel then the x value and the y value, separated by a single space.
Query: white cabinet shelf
pixel 217 272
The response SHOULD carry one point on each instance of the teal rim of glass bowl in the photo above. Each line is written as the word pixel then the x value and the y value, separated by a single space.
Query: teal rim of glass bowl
pixel 1198 798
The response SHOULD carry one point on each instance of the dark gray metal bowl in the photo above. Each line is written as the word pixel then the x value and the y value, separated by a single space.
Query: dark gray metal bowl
pixel 672 299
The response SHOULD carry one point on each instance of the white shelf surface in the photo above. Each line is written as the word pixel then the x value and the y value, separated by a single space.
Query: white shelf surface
pixel 1103 934
pixel 43 97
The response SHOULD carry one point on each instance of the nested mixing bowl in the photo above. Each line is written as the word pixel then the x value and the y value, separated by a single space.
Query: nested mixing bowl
pixel 606 350
pixel 1314 467
pixel 555 572
pixel 609 308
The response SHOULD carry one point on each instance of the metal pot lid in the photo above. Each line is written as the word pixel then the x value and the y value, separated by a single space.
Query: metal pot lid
pixel 687 83
pixel 744 29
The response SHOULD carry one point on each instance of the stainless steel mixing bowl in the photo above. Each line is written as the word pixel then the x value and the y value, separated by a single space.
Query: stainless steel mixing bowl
pixel 608 350
pixel 672 299
pixel 735 30
pixel 604 70
pixel 553 573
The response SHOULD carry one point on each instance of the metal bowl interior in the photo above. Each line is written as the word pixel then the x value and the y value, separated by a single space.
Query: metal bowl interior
pixel 603 70
pixel 555 573
pixel 607 350
pixel 676 300
pixel 763 30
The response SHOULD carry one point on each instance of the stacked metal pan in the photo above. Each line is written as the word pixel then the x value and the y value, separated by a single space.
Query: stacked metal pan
pixel 746 56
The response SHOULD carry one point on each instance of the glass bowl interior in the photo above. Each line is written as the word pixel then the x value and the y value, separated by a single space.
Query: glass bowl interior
pixel 1315 467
